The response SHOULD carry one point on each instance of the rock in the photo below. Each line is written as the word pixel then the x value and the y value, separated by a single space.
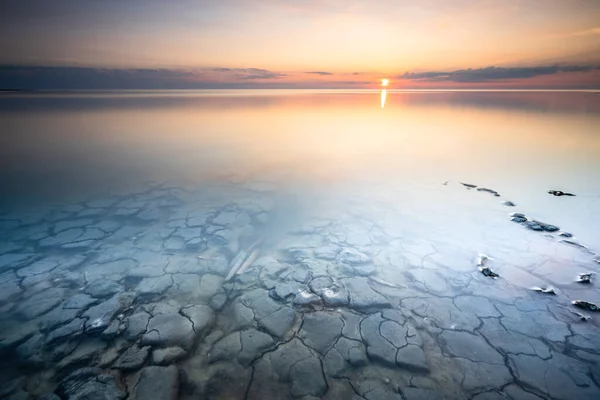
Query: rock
pixel 333 295
pixel 154 286
pixel 490 191
pixel 363 297
pixel 412 358
pixel 84 354
pixel 74 223
pixel 157 383
pixel 225 218
pixel 226 348
pixel 41 302
pixel 351 328
pixel 469 346
pixel 169 330
pixel 150 214
pixel 12 386
pixel 586 305
pixel 287 290
pixel 320 330
pixel 488 272
pixel 168 355
pixel 100 316
pixel 279 322
pixel 37 268
pixel 218 301
pixel 328 253
pixel 62 238
pixel 509 203
pixel 412 393
pixel 287 355
pixel 79 301
pixel 202 317
pixel 546 227
pixel 565 234
pixel 14 260
pixel 353 257
pixel 534 226
pixel 100 288
pixel 30 351
pixel 111 355
pixel 9 287
pixel 243 315
pixel 133 358
pixel 89 384
pixel 209 286
pixel 334 364
pixel 136 325
pixel 379 348
pixel 560 193
pixel 560 377
pixel 228 381
pixel 66 332
pixel 305 298
pixel 364 270
pixel 115 328
pixel 307 378
pixel 254 344
pixel 49 396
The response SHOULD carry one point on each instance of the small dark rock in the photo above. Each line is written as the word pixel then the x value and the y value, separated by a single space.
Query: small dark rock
pixel 560 193
pixel 493 192
pixel 586 305
pixel 488 272
pixel 534 226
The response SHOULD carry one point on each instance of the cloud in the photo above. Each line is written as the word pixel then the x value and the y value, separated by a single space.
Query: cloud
pixel 52 77
pixel 587 32
pixel 493 73
pixel 324 73
pixel 257 73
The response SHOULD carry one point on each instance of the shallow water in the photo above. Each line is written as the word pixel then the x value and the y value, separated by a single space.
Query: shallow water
pixel 123 212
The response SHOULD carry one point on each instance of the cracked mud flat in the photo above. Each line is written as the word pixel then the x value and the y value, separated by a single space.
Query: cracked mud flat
pixel 358 297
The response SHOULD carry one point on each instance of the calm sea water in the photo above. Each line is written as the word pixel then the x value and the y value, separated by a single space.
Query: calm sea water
pixel 65 146
pixel 233 224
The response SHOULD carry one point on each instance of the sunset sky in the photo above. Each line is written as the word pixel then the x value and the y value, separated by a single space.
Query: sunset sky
pixel 300 43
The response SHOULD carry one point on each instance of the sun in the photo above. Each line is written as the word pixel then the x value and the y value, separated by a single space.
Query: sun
pixel 385 82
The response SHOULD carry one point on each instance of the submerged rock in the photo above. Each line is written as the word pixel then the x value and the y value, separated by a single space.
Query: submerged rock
pixel 509 203
pixel 518 217
pixel 133 358
pixel 89 383
pixel 157 383
pixel 168 355
pixel 546 227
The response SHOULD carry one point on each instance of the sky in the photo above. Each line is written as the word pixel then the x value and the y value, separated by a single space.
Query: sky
pixel 158 44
